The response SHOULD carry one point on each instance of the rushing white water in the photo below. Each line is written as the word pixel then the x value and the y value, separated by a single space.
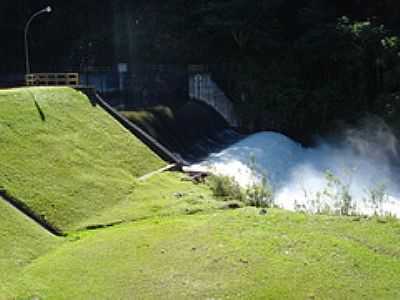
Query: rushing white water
pixel 361 165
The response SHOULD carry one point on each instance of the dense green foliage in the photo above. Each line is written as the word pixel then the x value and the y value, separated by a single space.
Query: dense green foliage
pixel 320 68
pixel 64 157
pixel 294 67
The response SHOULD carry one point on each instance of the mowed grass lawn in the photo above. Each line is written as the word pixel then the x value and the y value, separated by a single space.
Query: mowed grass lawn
pixel 165 194
pixel 21 242
pixel 233 254
pixel 64 157
pixel 164 237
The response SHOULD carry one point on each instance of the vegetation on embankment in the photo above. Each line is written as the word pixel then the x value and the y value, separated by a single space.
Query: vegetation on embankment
pixel 21 242
pixel 64 157
pixel 221 255
pixel 166 194
pixel 161 237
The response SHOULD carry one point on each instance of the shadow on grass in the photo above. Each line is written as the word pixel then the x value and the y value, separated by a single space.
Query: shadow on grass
pixel 38 108
pixel 40 111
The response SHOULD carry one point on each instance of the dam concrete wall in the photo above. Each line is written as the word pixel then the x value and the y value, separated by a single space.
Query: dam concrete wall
pixel 203 88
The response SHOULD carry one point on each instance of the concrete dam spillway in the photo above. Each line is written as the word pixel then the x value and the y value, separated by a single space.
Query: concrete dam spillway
pixel 308 179
pixel 200 132
pixel 191 131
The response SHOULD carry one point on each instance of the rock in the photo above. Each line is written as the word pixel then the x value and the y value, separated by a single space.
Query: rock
pixel 232 205
pixel 263 211
pixel 179 195
pixel 244 261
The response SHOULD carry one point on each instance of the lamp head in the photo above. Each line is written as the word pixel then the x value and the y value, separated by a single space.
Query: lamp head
pixel 48 9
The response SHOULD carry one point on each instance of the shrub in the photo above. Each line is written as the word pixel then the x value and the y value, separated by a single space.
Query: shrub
pixel 225 187
pixel 339 193
pixel 377 196
pixel 260 194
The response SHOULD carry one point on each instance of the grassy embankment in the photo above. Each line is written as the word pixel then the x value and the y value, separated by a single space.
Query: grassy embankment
pixel 21 242
pixel 65 158
pixel 73 166
pixel 234 254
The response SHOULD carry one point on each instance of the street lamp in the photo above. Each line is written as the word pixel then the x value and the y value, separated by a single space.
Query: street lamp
pixel 44 10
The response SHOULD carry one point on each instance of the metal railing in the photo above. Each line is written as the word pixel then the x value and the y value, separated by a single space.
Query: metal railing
pixel 52 79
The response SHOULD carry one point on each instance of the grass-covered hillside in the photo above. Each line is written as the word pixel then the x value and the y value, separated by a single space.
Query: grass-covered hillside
pixel 223 255
pixel 166 194
pixel 64 157
pixel 21 242
pixel 159 237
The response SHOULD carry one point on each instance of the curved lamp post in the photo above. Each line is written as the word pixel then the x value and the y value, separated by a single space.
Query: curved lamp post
pixel 44 10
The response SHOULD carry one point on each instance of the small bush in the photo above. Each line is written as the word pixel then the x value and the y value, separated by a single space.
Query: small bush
pixel 260 194
pixel 225 187
pixel 376 197
pixel 339 193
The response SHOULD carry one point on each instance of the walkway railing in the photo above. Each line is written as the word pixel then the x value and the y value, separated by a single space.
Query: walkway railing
pixel 67 79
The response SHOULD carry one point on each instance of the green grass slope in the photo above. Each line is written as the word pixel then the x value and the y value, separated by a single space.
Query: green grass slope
pixel 226 255
pixel 65 158
pixel 21 242
pixel 165 194
pixel 72 163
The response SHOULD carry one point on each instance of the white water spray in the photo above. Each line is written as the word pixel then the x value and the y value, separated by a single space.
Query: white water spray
pixel 360 164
